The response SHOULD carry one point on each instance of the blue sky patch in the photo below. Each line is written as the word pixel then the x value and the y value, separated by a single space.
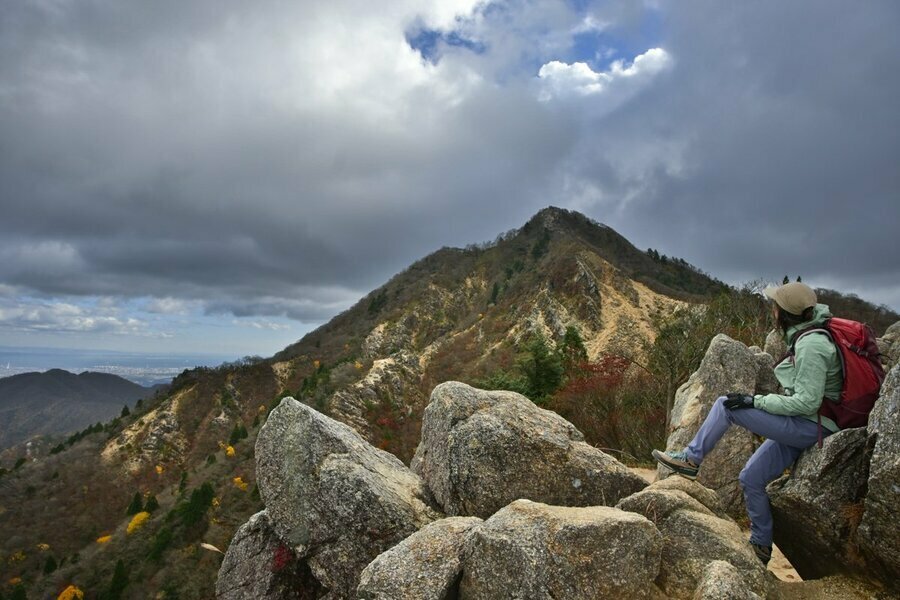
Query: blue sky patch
pixel 428 42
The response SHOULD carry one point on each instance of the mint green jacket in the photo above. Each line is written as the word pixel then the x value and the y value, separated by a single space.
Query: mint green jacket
pixel 815 373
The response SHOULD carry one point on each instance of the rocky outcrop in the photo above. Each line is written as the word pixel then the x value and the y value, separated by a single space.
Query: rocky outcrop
pixel 721 581
pixel 889 346
pixel 775 345
pixel 425 566
pixel 817 507
pixel 879 531
pixel 337 500
pixel 393 379
pixel 728 366
pixel 541 552
pixel 480 450
pixel 695 537
pixel 258 565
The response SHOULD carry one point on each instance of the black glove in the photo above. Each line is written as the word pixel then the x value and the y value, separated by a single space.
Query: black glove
pixel 735 401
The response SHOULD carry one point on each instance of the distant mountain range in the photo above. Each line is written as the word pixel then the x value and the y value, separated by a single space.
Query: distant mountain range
pixel 60 402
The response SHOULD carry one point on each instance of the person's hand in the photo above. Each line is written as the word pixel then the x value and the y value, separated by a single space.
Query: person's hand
pixel 734 401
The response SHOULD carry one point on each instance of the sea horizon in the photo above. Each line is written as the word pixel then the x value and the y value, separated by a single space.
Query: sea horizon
pixel 144 368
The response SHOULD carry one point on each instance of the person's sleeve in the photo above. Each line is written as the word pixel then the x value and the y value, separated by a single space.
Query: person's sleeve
pixel 811 363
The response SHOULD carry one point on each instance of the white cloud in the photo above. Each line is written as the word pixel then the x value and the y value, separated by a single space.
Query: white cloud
pixel 562 80
pixel 261 324
pixel 64 317
pixel 169 306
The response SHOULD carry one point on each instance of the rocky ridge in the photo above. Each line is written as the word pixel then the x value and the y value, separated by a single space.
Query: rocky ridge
pixel 354 522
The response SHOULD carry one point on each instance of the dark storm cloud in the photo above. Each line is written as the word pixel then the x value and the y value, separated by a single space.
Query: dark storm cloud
pixel 782 125
pixel 273 159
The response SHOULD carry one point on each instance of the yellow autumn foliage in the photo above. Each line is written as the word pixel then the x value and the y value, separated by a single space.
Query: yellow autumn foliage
pixel 15 581
pixel 159 469
pixel 358 365
pixel 17 557
pixel 104 539
pixel 240 483
pixel 215 501
pixel 137 521
pixel 71 593
pixel 229 451
pixel 262 408
pixel 43 547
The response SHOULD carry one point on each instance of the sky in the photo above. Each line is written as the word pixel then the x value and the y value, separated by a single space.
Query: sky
pixel 225 176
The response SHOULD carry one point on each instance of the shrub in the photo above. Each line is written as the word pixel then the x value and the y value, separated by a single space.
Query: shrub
pixel 71 593
pixel 137 521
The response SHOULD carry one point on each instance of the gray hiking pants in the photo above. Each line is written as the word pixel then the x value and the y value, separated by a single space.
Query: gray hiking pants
pixel 786 438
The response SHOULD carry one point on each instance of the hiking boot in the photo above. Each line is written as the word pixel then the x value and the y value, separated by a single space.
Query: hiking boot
pixel 678 462
pixel 763 553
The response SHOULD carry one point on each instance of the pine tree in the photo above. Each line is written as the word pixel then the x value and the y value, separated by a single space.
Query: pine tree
pixel 49 565
pixel 798 278
pixel 125 411
pixel 235 436
pixel 136 505
pixel 572 349
pixel 119 582
pixel 543 370
pixel 152 504
pixel 785 280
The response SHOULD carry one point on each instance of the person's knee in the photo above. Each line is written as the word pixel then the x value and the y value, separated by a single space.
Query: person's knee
pixel 750 479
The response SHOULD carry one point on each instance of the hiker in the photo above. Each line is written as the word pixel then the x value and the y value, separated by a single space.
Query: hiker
pixel 789 421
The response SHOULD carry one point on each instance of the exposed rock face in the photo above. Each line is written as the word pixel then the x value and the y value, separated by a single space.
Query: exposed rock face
pixel 728 366
pixel 695 536
pixel 775 346
pixel 816 507
pixel 721 581
pixel 258 565
pixel 879 531
pixel 889 345
pixel 395 377
pixel 537 551
pixel 332 496
pixel 425 566
pixel 480 450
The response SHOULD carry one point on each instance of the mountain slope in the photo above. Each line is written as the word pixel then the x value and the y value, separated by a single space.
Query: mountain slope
pixel 57 401
pixel 457 314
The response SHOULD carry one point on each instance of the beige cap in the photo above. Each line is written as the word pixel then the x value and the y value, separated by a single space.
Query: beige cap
pixel 792 297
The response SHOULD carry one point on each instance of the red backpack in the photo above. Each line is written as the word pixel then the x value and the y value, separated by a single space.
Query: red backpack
pixel 861 367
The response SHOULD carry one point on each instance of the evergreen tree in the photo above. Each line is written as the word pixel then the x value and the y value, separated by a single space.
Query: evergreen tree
pixel 119 582
pixel 543 370
pixel 136 505
pixel 194 509
pixel 235 436
pixel 798 278
pixel 125 411
pixel 572 349
pixel 49 565
pixel 152 504
pixel 785 280
pixel 494 292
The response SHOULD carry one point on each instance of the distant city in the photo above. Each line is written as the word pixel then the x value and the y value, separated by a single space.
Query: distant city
pixel 143 369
